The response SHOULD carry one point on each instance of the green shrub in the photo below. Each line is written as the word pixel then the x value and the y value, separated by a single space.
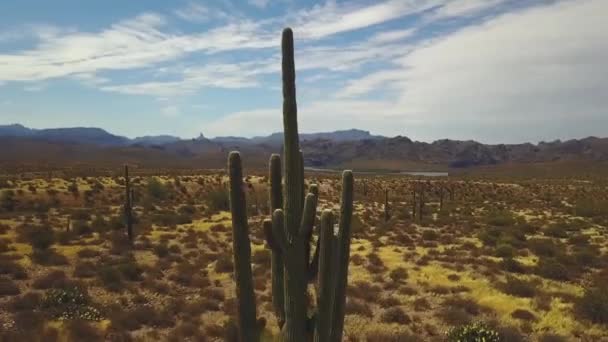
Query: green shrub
pixel 476 332
pixel 505 251
pixel 8 287
pixel 589 207
pixel 156 189
pixel 217 199
pixel 593 305
pixel 430 235
pixel 552 269
pixel 518 287
pixel 500 218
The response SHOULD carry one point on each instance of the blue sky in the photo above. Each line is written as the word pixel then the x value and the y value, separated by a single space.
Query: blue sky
pixel 497 71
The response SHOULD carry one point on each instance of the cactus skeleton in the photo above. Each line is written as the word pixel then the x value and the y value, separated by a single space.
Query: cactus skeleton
pixel 289 236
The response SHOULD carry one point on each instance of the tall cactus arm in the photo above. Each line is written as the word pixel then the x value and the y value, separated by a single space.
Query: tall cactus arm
pixel 326 279
pixel 241 252
pixel 276 188
pixel 344 236
pixel 276 259
pixel 313 267
pixel 278 230
pixel 308 216
pixel 292 160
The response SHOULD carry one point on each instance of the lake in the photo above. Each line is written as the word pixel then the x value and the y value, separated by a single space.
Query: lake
pixel 408 173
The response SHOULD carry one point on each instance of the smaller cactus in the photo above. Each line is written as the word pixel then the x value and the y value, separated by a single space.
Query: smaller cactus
pixel 387 214
pixel 241 252
pixel 128 204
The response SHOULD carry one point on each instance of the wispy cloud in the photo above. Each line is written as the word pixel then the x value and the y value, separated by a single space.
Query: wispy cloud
pixel 463 8
pixel 498 81
pixel 131 44
pixel 333 18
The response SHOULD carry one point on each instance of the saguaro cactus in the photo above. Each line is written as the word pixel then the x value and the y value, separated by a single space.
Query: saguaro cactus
pixel 289 236
pixel 128 204
pixel 387 213
pixel 242 252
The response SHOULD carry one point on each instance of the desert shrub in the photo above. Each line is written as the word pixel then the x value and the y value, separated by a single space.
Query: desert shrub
pixel 505 251
pixel 500 218
pixel 65 237
pixel 85 269
pixel 556 230
pixel 54 279
pixel 593 305
pixel 110 278
pixel 590 207
pixel 81 228
pixel 224 264
pixel 364 290
pixel 156 189
pixel 186 331
pixel 476 332
pixel 549 337
pixel 523 315
pixel 399 274
pixel 11 268
pixel 80 330
pixel 395 315
pixel 37 236
pixel 8 287
pixel 384 336
pixel 161 250
pixel 520 288
pixel 217 199
pixel 48 257
pixel 99 224
pixel 430 235
pixel 28 321
pixel 454 316
pixel 552 269
pixel 87 253
pixel 27 302
pixel 356 307
pixel 261 257
pixel 543 247
pixel 468 305
pixel 81 214
pixel 70 303
pixel 7 200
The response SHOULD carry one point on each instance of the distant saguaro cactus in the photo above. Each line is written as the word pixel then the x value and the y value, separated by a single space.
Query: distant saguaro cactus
pixel 289 236
pixel 128 204
pixel 387 214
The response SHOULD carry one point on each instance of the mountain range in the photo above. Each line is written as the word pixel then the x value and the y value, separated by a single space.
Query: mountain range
pixel 357 149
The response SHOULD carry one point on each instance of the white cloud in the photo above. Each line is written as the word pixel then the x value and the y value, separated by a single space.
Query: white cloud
pixel 134 43
pixel 498 81
pixel 198 13
pixel 391 36
pixel 332 18
pixel 464 8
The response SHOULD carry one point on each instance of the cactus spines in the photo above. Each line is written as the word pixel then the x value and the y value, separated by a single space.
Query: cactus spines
pixel 241 252
pixel 289 236
pixel 128 209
